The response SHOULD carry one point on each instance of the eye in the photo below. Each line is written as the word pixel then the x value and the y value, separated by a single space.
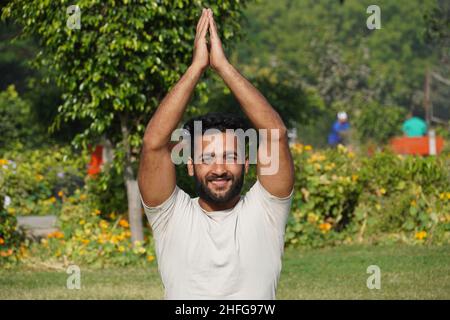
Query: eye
pixel 207 158
pixel 231 157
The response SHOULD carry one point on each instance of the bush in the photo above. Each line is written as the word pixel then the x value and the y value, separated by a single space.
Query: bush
pixel 90 236
pixel 36 180
pixel 16 123
pixel 341 197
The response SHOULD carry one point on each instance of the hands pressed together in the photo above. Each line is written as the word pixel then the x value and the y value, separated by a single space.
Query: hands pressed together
pixel 215 56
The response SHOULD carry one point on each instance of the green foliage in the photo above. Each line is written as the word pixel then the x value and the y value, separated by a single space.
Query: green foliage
pixel 378 123
pixel 17 126
pixel 327 45
pixel 115 70
pixel 90 236
pixel 37 180
pixel 342 197
pixel 290 97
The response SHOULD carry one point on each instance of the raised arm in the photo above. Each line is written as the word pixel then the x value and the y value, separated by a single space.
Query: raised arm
pixel 156 175
pixel 262 116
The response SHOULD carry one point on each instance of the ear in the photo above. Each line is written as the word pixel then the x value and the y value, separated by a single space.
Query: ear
pixel 190 167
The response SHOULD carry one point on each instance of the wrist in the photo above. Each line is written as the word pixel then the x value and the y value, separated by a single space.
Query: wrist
pixel 197 69
pixel 223 67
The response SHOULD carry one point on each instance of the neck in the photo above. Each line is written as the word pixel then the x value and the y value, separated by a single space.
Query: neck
pixel 208 206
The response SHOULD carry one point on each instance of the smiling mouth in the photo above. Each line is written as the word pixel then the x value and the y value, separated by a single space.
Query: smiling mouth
pixel 220 182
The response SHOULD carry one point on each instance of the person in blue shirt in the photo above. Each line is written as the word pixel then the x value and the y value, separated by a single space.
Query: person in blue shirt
pixel 339 130
pixel 414 126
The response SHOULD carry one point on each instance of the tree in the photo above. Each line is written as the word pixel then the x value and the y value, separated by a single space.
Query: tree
pixel 114 69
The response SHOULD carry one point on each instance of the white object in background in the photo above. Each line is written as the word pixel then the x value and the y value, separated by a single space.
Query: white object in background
pixel 432 142
pixel 7 201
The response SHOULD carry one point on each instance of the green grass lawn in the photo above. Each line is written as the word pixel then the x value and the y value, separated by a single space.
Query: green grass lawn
pixel 333 273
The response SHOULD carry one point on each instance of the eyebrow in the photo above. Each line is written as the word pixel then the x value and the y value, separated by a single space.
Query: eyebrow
pixel 225 153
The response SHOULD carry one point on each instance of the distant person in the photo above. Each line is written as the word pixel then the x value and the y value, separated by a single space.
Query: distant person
pixel 414 126
pixel 340 130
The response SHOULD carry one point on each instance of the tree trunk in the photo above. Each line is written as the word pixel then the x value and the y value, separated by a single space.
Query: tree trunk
pixel 134 209
pixel 134 200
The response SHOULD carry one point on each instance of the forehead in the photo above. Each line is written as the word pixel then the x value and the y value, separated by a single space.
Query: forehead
pixel 223 141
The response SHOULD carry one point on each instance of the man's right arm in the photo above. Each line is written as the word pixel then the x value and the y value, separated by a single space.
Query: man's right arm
pixel 156 175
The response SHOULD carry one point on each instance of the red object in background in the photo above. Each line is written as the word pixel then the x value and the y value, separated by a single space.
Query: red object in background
pixel 94 166
pixel 415 145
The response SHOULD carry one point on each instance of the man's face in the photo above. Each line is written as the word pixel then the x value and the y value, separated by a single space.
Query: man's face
pixel 220 176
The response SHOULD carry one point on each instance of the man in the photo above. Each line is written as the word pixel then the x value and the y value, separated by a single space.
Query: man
pixel 220 245
pixel 339 130
pixel 414 126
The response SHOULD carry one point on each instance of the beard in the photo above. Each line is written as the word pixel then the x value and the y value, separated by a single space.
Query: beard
pixel 211 196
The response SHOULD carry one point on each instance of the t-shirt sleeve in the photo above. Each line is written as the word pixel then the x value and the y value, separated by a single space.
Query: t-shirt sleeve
pixel 275 209
pixel 160 216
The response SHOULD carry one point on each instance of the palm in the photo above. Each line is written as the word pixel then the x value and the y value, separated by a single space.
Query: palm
pixel 217 56
pixel 201 55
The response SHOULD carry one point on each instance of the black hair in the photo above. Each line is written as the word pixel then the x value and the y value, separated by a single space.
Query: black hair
pixel 217 120
pixel 418 112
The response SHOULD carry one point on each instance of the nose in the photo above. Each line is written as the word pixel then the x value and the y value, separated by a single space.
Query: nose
pixel 219 169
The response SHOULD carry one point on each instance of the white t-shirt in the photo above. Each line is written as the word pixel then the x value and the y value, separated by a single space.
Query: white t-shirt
pixel 228 254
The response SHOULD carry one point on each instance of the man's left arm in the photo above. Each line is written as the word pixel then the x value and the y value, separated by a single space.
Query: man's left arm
pixel 262 116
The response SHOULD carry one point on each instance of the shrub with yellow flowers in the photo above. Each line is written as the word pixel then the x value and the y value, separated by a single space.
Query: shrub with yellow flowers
pixel 90 236
pixel 343 197
pixel 37 180
pixel 11 248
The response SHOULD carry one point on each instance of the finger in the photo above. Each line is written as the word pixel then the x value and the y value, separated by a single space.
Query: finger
pixel 212 26
pixel 202 17
pixel 203 27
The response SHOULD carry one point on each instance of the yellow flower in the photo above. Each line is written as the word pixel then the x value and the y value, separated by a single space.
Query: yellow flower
pixel 112 215
pixel 378 206
pixel 351 155
pixel 3 162
pixel 421 235
pixel 39 177
pixel 413 203
pixel 104 224
pixel 308 147
pixel 56 235
pixel 114 240
pixel 97 212
pixel 52 199
pixel 342 148
pixel 141 250
pixel 83 197
pixel 382 191
pixel 2 241
pixel 150 258
pixel 124 223
pixel 82 222
pixel 11 210
pixel 85 241
pixel 312 218
pixel 60 194
pixel 297 147
pixel 354 177
pixel 325 227
pixel 121 248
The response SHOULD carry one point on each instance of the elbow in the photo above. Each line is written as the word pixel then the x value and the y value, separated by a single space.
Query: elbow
pixel 150 143
pixel 282 133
